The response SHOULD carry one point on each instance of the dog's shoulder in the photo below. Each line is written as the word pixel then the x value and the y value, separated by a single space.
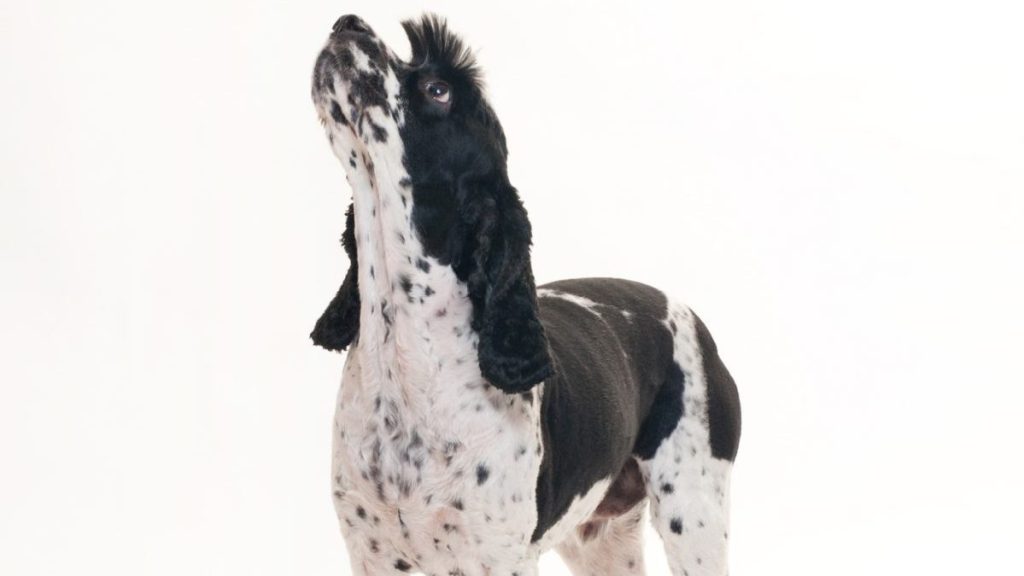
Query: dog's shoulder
pixel 611 320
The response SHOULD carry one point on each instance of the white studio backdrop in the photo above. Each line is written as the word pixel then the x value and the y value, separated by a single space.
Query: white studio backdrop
pixel 835 187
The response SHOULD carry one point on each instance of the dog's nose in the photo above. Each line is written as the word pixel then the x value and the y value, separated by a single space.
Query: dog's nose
pixel 351 23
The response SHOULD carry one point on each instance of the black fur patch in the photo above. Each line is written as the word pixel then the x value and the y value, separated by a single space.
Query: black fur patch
pixel 482 474
pixel 338 326
pixel 664 416
pixel 724 417
pixel 595 406
pixel 433 43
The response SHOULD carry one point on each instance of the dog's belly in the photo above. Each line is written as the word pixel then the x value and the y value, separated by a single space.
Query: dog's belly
pixel 447 488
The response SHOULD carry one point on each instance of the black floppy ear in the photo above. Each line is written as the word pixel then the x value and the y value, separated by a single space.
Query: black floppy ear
pixel 338 326
pixel 513 350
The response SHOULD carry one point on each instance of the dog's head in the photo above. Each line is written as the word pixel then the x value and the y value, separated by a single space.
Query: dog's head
pixel 423 133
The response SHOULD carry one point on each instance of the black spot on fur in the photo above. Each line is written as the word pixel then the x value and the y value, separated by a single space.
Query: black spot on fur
pixel 664 415
pixel 379 133
pixel 337 114
pixel 423 264
pixel 370 47
pixel 676 525
pixel 482 474
pixel 402 565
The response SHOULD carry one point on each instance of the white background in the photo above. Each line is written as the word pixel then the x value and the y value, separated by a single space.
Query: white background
pixel 835 187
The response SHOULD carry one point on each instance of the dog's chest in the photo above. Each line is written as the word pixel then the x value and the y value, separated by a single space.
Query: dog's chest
pixel 436 473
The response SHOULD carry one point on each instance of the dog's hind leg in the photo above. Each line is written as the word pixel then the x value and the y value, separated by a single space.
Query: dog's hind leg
pixel 691 514
pixel 609 547
pixel 687 476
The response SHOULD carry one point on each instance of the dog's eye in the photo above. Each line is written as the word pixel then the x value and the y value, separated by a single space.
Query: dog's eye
pixel 439 91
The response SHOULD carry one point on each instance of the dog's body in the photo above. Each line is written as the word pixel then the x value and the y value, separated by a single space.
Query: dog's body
pixel 482 421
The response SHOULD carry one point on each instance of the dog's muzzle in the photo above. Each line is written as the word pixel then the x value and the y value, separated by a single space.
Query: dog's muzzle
pixel 356 57
pixel 352 23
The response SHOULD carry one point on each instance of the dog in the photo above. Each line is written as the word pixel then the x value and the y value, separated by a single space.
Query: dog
pixel 481 420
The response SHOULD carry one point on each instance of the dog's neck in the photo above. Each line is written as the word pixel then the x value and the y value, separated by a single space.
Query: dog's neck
pixel 415 336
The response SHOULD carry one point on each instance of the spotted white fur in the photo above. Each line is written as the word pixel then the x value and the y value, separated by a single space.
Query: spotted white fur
pixel 689 488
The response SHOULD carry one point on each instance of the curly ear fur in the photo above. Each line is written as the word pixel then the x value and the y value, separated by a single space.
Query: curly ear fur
pixel 338 326
pixel 513 350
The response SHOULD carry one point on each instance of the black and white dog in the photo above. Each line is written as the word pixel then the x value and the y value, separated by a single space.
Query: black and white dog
pixel 481 420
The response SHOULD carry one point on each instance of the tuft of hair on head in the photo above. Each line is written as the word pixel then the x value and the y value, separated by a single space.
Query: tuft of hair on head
pixel 434 43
